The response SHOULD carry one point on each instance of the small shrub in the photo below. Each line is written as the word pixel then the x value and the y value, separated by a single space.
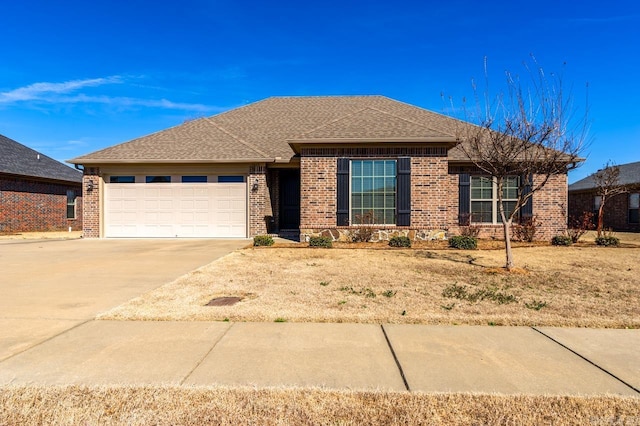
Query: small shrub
pixel 561 240
pixel 536 305
pixel 324 283
pixel 400 242
pixel 324 242
pixel 607 240
pixel 460 292
pixel 526 229
pixel 280 319
pixel 262 240
pixel 468 229
pixel 580 225
pixel 367 292
pixel 389 293
pixel 463 242
pixel 364 233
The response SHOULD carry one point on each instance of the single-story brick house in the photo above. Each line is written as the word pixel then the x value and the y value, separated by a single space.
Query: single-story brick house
pixel 313 165
pixel 622 211
pixel 37 193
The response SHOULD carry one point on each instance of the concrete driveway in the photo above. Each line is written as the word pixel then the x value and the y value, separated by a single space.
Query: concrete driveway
pixel 50 286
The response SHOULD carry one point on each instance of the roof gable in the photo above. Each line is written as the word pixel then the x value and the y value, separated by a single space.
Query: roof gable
pixel 17 159
pixel 261 131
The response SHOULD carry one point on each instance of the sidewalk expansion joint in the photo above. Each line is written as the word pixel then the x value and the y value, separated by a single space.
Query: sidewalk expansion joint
pixel 205 355
pixel 588 360
pixel 395 358
pixel 48 338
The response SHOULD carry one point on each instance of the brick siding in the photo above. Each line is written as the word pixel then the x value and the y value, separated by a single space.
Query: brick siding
pixel 318 191
pixel 616 209
pixel 259 201
pixel 29 205
pixel 434 197
pixel 91 199
pixel 549 208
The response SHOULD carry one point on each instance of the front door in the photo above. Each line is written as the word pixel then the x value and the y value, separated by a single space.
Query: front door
pixel 289 199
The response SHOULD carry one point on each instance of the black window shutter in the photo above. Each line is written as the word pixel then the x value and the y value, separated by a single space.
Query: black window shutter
pixel 527 209
pixel 342 213
pixel 464 199
pixel 403 206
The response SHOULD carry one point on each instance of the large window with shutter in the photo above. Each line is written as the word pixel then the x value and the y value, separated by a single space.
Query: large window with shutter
pixel 374 191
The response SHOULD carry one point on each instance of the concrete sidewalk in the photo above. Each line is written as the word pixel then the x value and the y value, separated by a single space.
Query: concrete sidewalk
pixel 508 360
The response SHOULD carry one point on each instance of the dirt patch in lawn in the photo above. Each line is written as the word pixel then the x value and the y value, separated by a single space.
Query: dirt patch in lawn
pixel 555 286
pixel 44 235
pixel 75 405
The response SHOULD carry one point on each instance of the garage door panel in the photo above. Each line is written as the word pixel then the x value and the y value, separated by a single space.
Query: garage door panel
pixel 176 209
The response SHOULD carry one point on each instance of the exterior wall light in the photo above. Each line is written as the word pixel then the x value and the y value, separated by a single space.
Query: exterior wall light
pixel 90 185
pixel 254 187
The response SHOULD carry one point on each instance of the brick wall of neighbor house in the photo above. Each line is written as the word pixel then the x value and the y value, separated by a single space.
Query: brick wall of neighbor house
pixel 28 205
pixel 429 191
pixel 259 202
pixel 549 206
pixel 91 203
pixel 616 210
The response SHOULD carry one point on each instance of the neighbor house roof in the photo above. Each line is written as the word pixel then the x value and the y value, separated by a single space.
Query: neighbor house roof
pixel 19 160
pixel 262 131
pixel 629 175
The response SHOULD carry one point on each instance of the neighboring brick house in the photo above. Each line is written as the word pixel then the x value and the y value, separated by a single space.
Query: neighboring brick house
pixel 307 165
pixel 37 193
pixel 621 212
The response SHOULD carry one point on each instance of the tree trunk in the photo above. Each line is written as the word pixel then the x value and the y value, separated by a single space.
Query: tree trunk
pixel 600 219
pixel 506 226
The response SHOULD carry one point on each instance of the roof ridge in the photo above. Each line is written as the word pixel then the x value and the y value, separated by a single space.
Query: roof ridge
pixel 239 139
pixel 335 120
pixel 407 120
pixel 441 115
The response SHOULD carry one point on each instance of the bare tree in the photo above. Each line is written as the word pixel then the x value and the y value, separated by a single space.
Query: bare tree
pixel 607 181
pixel 528 131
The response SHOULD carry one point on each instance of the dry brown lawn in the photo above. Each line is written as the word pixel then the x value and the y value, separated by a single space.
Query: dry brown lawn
pixel 44 235
pixel 584 286
pixel 76 405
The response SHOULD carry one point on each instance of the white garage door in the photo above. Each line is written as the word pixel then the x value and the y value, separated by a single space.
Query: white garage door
pixel 175 210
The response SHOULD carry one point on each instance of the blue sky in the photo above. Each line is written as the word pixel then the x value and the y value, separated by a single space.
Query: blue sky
pixel 77 76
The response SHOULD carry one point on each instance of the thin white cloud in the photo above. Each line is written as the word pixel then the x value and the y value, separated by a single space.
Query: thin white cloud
pixel 117 101
pixel 67 93
pixel 40 91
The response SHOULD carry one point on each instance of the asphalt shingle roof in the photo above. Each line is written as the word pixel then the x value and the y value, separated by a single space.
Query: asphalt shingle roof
pixel 17 159
pixel 629 175
pixel 261 131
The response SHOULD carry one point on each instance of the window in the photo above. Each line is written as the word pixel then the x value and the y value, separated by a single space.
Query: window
pixel 230 179
pixel 597 201
pixel 634 207
pixel 71 204
pixel 158 179
pixel 122 179
pixel 373 192
pixel 484 198
pixel 194 179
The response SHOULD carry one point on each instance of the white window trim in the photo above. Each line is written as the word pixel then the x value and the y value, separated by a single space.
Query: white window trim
pixel 395 216
pixel 74 204
pixel 494 201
